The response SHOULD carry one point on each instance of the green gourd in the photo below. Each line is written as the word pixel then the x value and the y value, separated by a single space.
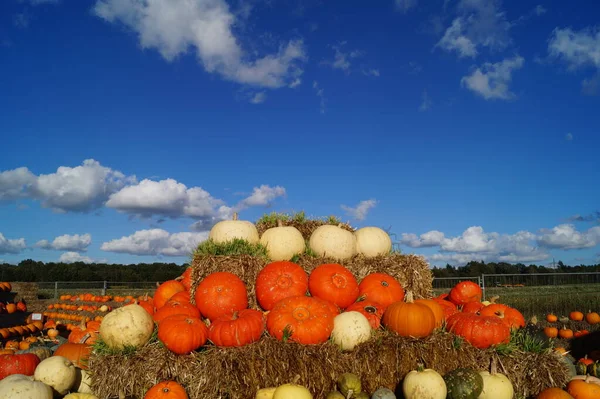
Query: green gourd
pixel 463 383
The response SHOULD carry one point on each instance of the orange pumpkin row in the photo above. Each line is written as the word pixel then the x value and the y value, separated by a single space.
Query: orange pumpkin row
pixel 591 317
pixel 13 307
pixel 5 286
pixel 80 308
pixel 25 329
pixel 564 333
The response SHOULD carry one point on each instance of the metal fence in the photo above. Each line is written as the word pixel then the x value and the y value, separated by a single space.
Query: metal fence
pixel 55 289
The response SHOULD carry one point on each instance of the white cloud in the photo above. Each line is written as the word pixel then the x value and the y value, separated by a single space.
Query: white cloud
pixel 539 10
pixel 261 196
pixel 15 183
pixel 432 238
pixel 321 94
pixel 360 211
pixel 565 236
pixel 569 136
pixel 405 5
pixel 72 257
pixel 11 246
pixel 371 72
pixel 591 86
pixel 480 23
pixel 79 189
pixel 576 49
pixel 66 242
pixel 491 81
pixel 206 27
pixel 259 98
pixel 342 59
pixel 426 102
pixel 297 82
pixel 156 242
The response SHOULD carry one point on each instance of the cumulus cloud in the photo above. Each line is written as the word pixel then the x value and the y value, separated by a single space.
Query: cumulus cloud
pixel 566 236
pixel 11 246
pixel 360 211
pixel 156 242
pixel 432 238
pixel 205 27
pixel 405 5
pixel 258 98
pixel 66 242
pixel 15 183
pixel 261 196
pixel 491 81
pixel 592 217
pixel 342 58
pixel 480 23
pixel 72 257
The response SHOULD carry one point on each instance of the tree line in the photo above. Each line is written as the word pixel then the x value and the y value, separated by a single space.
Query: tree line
pixel 36 271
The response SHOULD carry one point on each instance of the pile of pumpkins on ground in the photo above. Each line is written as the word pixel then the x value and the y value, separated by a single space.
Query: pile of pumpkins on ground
pixel 10 307
pixel 554 331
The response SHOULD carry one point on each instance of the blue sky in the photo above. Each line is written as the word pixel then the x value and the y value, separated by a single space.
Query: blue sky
pixel 469 128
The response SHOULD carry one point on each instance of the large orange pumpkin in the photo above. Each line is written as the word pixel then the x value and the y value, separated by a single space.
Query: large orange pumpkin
pixel 18 364
pixel 165 291
pixel 465 292
pixel 583 389
pixel 334 283
pixel 472 307
pixel 220 293
pixel 381 288
pixel 279 280
pixel 181 296
pixel 302 319
pixel 436 308
pixel 372 310
pixel 166 390
pixel 553 393
pixel 481 331
pixel 510 316
pixel 237 329
pixel 409 319
pixel 175 307
pixel 76 353
pixel 182 334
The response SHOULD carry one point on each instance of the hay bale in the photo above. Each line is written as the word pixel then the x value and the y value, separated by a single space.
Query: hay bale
pixel 305 225
pixel 229 373
pixel 410 270
pixel 25 291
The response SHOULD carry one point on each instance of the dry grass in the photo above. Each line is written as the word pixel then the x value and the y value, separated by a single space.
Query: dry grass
pixel 229 373
pixel 305 225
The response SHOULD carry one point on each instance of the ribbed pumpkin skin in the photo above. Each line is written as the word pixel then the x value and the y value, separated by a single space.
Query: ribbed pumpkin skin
pixel 372 310
pixel 279 280
pixel 436 308
pixel 221 293
pixel 166 390
pixel 18 364
pixel 581 389
pixel 309 319
pixel 76 353
pixel 181 296
pixel 175 307
pixel 449 308
pixel 182 334
pixel 237 329
pixel 333 283
pixel 381 288
pixel 463 384
pixel 510 316
pixel 409 319
pixel 465 292
pixel 553 393
pixel 481 331
pixel 165 291
pixel 472 307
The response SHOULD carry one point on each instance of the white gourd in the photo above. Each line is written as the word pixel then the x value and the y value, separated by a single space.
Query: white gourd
pixel 333 241
pixel 283 242
pixel 129 325
pixel 350 329
pixel 57 372
pixel 19 386
pixel 228 230
pixel 424 383
pixel 372 242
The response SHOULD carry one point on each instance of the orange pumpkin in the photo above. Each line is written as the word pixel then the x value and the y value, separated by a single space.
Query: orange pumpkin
pixel 576 316
pixel 237 329
pixel 510 316
pixel 77 353
pixel 551 318
pixel 551 332
pixel 409 319
pixel 182 334
pixel 481 331
pixel 11 308
pixel 371 310
pixel 334 283
pixel 592 318
pixel 553 393
pixel 381 288
pixel 164 292
pixel 583 389
pixel 465 292
pixel 166 390
pixel 186 278
pixel 436 308
pixel 279 280
pixel 175 307
pixel 565 333
pixel 220 293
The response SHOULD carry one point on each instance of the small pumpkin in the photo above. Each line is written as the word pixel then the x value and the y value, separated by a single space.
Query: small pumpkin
pixel 333 283
pixel 350 329
pixel 126 326
pixel 229 230
pixel 424 383
pixel 565 333
pixel 166 390
pixel 465 292
pixel 349 385
pixel 329 241
pixel 182 334
pixel 551 332
pixel 409 319
pixel 335 395
pixel 385 393
pixel 292 391
pixel 279 280
pixel 553 393
pixel 576 316
pixel 220 293
pixel 583 389
pixel 495 385
pixel 372 242
pixel 510 316
pixel 592 318
pixel 283 242
pixel 463 383
pixel 551 318
pixel 238 328
pixel 381 288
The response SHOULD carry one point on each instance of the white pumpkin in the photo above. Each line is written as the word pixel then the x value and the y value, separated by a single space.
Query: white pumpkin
pixel 58 372
pixel 228 230
pixel 83 383
pixel 333 241
pixel 350 329
pixel 372 242
pixel 292 391
pixel 424 383
pixel 265 393
pixel 129 325
pixel 19 386
pixel 496 386
pixel 283 242
pixel 77 395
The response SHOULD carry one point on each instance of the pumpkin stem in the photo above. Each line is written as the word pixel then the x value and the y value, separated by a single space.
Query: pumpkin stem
pixel 235 216
pixel 296 379
pixel 420 367
pixel 493 367
pixel 409 297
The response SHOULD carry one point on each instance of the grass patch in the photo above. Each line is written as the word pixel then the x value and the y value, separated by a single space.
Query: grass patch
pixel 100 347
pixel 295 217
pixel 231 248
pixel 525 340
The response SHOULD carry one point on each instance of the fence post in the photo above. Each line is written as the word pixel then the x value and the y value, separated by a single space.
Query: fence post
pixel 56 290
pixel 104 288
pixel 483 285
